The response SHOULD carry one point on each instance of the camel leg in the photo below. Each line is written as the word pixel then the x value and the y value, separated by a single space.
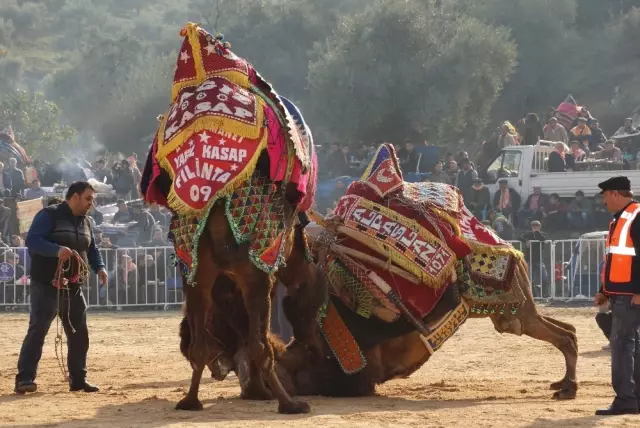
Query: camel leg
pixel 560 324
pixel 256 291
pixel 198 304
pixel 536 326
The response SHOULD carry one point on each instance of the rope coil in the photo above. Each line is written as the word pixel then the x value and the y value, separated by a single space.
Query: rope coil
pixel 61 284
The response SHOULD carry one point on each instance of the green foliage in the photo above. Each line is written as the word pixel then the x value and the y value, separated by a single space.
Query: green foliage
pixel 36 122
pixel 396 70
pixel 360 69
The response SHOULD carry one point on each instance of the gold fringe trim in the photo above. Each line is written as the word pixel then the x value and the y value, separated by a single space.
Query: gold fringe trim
pixel 222 124
pixel 393 255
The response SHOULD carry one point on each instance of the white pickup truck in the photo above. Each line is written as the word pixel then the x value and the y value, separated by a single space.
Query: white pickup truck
pixel 525 167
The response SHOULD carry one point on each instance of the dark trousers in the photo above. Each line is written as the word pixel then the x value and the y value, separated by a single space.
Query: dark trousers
pixel 604 321
pixel 625 351
pixel 44 302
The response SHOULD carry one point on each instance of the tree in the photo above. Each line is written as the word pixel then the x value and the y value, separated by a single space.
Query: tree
pixel 398 70
pixel 36 122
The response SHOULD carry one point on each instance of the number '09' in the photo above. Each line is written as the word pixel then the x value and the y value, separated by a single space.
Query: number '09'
pixel 195 192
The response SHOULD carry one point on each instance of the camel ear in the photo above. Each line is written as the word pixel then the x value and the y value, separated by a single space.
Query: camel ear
pixel 383 174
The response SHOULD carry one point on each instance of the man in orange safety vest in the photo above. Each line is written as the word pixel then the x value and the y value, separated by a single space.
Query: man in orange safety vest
pixel 621 286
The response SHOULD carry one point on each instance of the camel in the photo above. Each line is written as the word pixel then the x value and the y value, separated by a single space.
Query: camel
pixel 234 162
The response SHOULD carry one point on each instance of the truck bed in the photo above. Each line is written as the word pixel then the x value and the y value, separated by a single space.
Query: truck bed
pixel 567 183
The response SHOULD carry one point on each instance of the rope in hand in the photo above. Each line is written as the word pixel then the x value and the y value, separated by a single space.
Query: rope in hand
pixel 61 284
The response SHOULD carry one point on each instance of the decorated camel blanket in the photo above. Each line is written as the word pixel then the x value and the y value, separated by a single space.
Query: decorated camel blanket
pixel 423 229
pixel 223 116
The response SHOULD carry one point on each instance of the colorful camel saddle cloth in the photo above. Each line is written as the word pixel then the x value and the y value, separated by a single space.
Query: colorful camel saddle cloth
pixel 256 215
pixel 350 336
pixel 221 118
pixel 435 208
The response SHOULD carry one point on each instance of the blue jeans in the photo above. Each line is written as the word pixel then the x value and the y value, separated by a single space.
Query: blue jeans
pixel 625 352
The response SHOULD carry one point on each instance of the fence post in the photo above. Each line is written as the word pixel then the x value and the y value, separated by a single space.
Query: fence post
pixel 552 270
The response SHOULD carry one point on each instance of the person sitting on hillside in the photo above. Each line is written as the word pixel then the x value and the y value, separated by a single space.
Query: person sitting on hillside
pixel 410 158
pixel 557 159
pixel 597 140
pixel 581 133
pixel 35 191
pixel 533 207
pixel 438 175
pixel 506 200
pixel 501 225
pixel 610 152
pixel 554 213
pixel 576 152
pixel 579 214
pixel 627 128
pixel 479 199
pixel 553 131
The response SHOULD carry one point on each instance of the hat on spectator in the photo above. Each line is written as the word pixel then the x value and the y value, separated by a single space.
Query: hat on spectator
pixel 582 119
pixel 478 180
pixel 536 223
pixel 503 181
pixel 615 183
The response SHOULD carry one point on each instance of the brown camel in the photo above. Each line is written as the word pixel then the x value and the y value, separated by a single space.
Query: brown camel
pixel 401 356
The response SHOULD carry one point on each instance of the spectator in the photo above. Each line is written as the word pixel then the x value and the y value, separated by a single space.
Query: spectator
pixel 339 161
pixel 580 209
pixel 137 175
pixel 533 207
pixel 410 158
pixel 479 199
pixel 466 178
pixel 447 162
pixel 339 190
pixel 581 133
pixel 557 159
pixel 610 152
pixel 534 242
pixel 505 139
pixel 5 219
pixel 35 191
pixel 438 175
pixel 554 214
pixel 123 215
pixel 122 280
pixel 101 173
pixel 73 172
pixel 452 171
pixel 577 153
pixel 53 173
pixel 598 138
pixel 144 222
pixel 359 159
pixel 17 177
pixel 501 225
pixel 553 131
pixel 506 200
pixel 628 128
pixel 159 217
pixel 124 182
pixel 5 181
pixel 157 239
pixel 533 130
pixel 429 155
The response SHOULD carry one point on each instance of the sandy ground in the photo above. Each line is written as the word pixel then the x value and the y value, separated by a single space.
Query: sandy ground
pixel 478 379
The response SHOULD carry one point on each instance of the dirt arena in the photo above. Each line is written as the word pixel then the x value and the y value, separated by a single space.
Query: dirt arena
pixel 478 379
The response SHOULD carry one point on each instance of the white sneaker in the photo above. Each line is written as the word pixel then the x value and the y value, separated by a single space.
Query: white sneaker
pixel 607 347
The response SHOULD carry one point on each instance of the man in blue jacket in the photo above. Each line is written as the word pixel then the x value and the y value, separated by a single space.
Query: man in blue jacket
pixel 57 232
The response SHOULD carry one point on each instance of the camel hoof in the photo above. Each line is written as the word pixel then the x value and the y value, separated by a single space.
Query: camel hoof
pixel 557 386
pixel 189 404
pixel 294 408
pixel 565 394
pixel 257 395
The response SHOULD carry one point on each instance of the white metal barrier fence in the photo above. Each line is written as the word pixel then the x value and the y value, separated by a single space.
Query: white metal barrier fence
pixel 145 277
pixel 140 277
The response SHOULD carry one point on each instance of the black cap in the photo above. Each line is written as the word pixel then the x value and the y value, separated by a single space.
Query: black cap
pixel 615 183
